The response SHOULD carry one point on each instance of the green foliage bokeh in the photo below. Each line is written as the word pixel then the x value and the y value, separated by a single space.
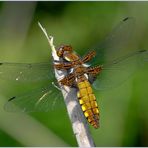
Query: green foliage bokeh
pixel 124 116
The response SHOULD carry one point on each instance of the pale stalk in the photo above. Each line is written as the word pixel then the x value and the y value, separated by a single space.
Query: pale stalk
pixel 78 121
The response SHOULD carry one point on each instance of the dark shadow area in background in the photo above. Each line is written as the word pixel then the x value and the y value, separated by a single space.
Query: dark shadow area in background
pixel 54 8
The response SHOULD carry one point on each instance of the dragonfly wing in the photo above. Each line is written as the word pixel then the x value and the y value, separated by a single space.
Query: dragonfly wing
pixel 42 99
pixel 26 72
pixel 115 43
pixel 117 71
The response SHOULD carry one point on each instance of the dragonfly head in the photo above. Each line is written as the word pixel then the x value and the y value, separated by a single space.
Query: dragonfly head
pixel 64 49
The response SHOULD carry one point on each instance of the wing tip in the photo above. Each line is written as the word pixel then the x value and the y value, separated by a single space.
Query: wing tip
pixel 128 18
pixel 125 19
pixel 143 50
pixel 1 64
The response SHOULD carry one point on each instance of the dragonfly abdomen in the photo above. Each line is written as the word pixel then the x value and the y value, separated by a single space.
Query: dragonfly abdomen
pixel 88 103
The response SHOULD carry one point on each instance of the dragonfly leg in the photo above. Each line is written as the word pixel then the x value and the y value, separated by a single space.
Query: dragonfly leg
pixel 89 56
pixel 56 85
pixel 63 66
pixel 93 72
pixel 68 80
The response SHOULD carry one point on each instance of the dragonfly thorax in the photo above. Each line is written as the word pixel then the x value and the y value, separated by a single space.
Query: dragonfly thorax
pixel 79 70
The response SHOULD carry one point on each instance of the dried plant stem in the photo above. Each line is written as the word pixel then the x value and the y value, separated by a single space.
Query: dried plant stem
pixel 79 124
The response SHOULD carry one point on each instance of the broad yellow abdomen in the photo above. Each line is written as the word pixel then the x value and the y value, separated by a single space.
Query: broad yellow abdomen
pixel 88 103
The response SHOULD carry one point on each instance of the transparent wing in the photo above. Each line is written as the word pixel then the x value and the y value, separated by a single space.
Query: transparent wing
pixel 115 43
pixel 42 99
pixel 113 53
pixel 117 71
pixel 26 72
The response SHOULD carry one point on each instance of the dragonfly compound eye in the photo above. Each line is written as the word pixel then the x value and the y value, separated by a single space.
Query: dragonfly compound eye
pixel 60 51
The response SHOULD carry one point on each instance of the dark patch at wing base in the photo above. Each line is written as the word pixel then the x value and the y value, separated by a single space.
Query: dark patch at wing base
pixel 42 99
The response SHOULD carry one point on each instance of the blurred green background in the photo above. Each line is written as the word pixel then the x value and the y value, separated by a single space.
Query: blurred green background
pixel 124 110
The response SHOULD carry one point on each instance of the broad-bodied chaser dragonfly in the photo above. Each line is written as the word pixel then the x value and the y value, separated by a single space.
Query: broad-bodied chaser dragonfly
pixel 111 66
pixel 80 77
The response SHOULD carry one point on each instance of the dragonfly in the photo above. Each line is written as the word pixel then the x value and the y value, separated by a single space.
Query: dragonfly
pixel 106 70
pixel 79 77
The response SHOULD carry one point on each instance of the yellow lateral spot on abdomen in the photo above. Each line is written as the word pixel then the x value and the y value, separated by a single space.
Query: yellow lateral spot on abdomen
pixel 96 110
pixel 84 99
pixel 86 106
pixel 81 101
pixel 88 113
